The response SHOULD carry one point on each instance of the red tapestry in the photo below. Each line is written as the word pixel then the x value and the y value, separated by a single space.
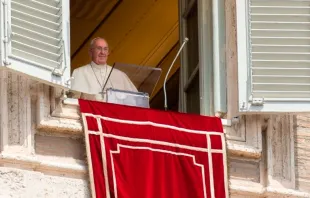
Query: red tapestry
pixel 143 153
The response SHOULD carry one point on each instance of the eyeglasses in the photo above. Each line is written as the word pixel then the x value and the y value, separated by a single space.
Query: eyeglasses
pixel 105 49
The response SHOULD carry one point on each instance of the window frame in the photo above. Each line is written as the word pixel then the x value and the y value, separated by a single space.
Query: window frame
pixel 186 79
pixel 211 66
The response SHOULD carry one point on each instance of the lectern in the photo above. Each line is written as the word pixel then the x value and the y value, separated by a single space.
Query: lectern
pixel 144 78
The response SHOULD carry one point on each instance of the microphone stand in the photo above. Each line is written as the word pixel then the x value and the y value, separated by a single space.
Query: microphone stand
pixel 175 58
pixel 105 84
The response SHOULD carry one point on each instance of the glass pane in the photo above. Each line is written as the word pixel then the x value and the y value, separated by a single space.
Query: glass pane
pixel 192 34
pixel 193 101
pixel 187 2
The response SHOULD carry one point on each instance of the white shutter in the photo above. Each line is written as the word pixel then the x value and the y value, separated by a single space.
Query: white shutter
pixel 2 51
pixel 274 55
pixel 38 39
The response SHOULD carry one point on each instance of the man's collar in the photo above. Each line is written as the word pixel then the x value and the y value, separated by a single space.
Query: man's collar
pixel 93 64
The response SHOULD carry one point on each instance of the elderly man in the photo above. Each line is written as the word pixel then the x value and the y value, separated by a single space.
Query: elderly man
pixel 94 78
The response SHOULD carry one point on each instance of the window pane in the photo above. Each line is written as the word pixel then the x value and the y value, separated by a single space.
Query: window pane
pixel 192 34
pixel 193 101
pixel 187 2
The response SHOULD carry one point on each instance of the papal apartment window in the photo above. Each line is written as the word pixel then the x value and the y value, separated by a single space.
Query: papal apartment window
pixel 191 64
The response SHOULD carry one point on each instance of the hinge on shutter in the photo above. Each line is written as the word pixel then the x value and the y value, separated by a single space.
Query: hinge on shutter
pixel 60 72
pixel 68 82
pixel 256 101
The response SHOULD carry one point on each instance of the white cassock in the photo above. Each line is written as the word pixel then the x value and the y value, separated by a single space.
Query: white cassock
pixel 90 80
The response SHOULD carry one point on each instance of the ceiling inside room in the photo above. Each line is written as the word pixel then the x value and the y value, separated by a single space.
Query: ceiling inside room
pixel 143 32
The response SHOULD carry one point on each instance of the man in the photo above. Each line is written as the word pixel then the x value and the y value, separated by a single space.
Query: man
pixel 94 78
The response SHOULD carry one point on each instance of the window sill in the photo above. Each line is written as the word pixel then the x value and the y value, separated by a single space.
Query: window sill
pixel 74 102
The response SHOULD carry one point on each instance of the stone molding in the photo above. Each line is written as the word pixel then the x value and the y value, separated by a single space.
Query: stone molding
pixel 252 189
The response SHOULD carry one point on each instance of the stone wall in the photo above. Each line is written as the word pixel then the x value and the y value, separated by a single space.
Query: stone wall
pixel 38 158
pixel 302 152
pixel 18 183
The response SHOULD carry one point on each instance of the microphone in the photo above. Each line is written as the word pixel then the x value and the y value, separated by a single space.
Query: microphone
pixel 175 58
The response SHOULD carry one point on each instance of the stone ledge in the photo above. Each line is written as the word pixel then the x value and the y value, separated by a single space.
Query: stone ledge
pixel 52 166
pixel 236 150
pixel 55 125
pixel 248 188
pixel 60 125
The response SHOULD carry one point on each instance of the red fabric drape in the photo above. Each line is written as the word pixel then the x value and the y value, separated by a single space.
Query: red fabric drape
pixel 144 153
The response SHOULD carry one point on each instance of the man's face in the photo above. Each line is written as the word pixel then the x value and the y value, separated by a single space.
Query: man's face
pixel 99 52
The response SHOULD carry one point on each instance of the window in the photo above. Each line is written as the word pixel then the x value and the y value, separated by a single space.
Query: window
pixel 190 66
pixel 191 87
pixel 273 56
pixel 36 35
pixel 203 84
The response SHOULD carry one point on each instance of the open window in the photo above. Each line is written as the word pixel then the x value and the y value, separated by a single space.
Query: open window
pixel 36 39
pixel 203 76
pixel 273 56
pixel 190 63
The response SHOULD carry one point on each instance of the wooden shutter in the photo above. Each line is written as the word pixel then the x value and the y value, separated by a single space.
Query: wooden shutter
pixel 38 39
pixel 273 55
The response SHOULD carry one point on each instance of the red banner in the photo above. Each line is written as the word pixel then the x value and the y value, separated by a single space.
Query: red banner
pixel 143 153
